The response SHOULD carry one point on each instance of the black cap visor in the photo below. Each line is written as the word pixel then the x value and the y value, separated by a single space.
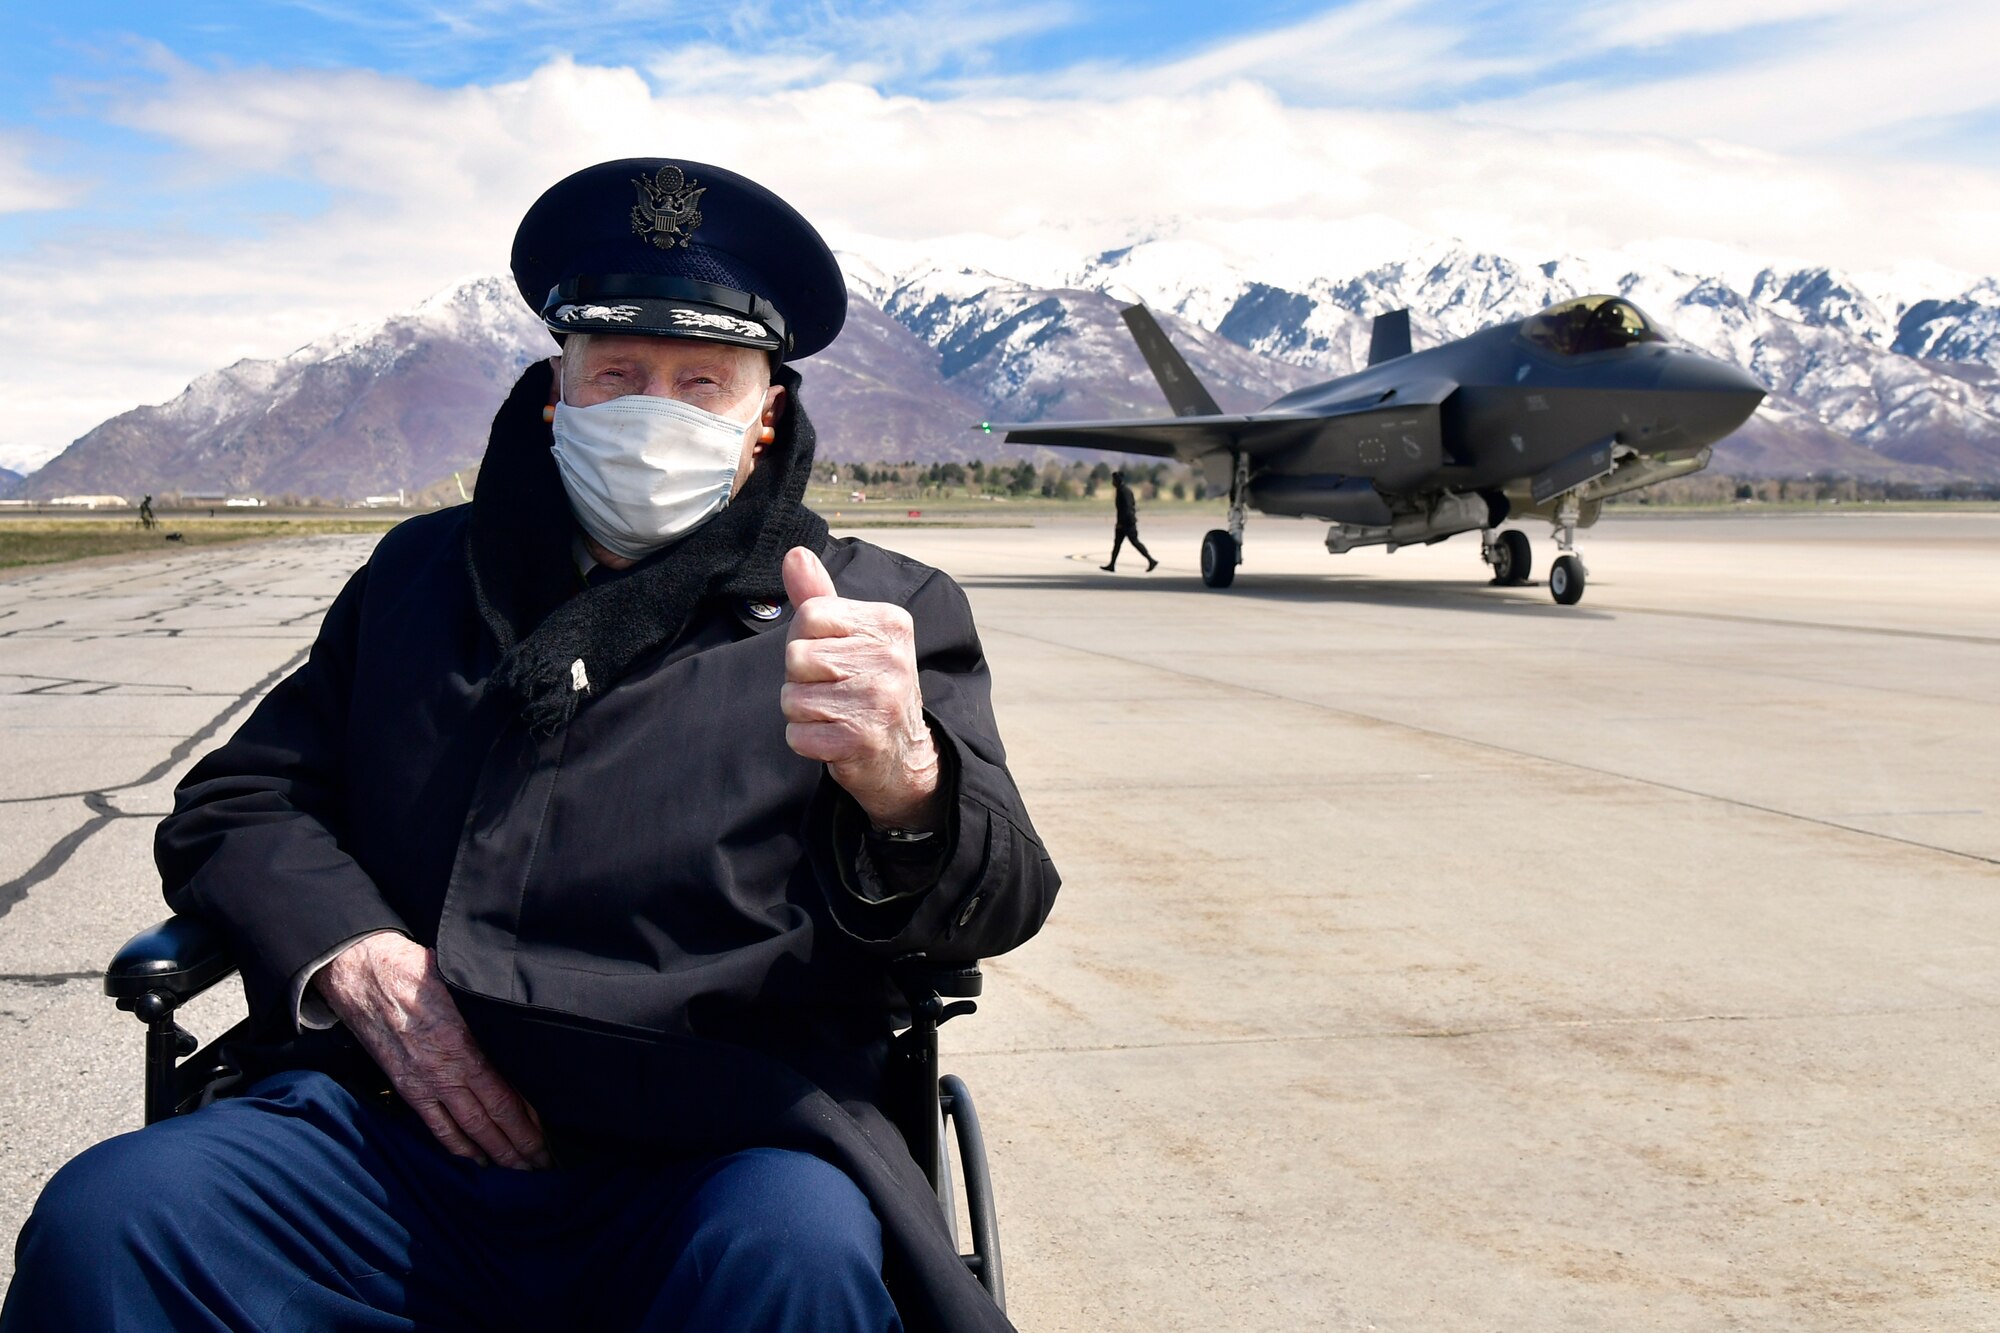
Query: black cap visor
pixel 664 307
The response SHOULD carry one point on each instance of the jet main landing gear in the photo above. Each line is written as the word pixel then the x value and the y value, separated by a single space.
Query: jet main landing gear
pixel 1222 552
pixel 1218 559
pixel 1509 554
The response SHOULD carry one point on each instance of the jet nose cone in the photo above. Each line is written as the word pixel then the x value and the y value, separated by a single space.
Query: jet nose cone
pixel 1719 396
pixel 1690 372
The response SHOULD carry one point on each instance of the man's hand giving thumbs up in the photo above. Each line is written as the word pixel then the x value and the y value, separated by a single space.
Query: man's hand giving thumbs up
pixel 851 698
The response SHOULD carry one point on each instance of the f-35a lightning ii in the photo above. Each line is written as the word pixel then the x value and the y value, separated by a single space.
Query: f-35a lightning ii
pixel 1542 417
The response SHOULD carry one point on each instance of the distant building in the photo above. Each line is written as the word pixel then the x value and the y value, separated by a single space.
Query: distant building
pixel 395 501
pixel 243 502
pixel 88 502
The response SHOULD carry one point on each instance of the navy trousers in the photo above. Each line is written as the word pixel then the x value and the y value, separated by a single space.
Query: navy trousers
pixel 298 1206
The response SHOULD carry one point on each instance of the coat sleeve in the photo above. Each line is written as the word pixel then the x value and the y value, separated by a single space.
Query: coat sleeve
pixel 996 884
pixel 252 843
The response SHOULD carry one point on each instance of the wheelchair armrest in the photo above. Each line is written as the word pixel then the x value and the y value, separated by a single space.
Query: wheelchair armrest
pixel 919 976
pixel 181 957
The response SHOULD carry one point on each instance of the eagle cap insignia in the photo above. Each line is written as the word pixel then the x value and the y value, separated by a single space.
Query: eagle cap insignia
pixel 667 211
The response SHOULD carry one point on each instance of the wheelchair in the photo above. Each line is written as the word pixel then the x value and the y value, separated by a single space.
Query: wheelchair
pixel 161 969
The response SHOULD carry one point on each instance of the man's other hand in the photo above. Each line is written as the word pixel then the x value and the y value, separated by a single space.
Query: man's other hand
pixel 851 698
pixel 387 990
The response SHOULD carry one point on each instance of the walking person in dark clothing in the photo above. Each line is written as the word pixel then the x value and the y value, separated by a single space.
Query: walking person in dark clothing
pixel 1128 526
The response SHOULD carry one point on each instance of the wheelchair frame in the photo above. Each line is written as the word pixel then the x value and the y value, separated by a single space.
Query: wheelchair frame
pixel 162 968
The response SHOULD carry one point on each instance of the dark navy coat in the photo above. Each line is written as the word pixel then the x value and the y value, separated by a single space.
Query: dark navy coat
pixel 652 918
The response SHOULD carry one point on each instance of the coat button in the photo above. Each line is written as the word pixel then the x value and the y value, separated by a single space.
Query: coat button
pixel 971 906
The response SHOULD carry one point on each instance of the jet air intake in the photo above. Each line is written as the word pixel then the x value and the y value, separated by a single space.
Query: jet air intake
pixel 1447 515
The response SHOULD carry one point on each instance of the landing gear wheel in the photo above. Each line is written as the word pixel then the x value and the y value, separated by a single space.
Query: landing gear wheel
pixel 1566 580
pixel 1513 558
pixel 1218 559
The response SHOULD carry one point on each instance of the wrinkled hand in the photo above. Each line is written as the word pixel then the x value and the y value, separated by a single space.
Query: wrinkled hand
pixel 851 698
pixel 387 990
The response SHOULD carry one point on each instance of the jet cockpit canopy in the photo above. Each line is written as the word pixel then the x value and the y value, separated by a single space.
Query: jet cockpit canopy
pixel 1590 324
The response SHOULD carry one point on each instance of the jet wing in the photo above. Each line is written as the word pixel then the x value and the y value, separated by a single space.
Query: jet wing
pixel 1185 438
pixel 1347 425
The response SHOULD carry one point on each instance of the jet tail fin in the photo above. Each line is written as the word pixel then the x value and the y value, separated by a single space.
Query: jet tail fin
pixel 1390 338
pixel 1185 393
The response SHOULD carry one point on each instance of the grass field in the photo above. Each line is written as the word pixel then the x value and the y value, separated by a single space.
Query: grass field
pixel 47 541
pixel 44 539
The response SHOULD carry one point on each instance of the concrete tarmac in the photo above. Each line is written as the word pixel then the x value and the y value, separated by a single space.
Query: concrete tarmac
pixel 1429 956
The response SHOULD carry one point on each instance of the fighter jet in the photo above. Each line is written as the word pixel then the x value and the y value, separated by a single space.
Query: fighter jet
pixel 1544 417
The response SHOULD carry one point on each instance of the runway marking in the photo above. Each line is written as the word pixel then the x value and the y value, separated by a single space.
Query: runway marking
pixel 1905 814
pixel 1781 622
pixel 1265 587
pixel 1494 746
pixel 1462 1033
pixel 99 802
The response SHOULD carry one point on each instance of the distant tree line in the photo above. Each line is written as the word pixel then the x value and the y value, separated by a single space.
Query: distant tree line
pixel 1723 488
pixel 1024 479
pixel 1018 479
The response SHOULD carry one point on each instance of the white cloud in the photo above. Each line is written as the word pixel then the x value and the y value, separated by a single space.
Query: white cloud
pixel 1368 53
pixel 1657 22
pixel 1862 71
pixel 23 189
pixel 426 184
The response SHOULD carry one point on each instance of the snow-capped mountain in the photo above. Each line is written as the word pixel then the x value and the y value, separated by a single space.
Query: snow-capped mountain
pixel 1861 384
pixel 364 411
pixel 1871 375
pixel 407 402
pixel 10 481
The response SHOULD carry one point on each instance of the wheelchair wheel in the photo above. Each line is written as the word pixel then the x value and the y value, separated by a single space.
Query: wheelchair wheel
pixel 955 1103
pixel 947 1188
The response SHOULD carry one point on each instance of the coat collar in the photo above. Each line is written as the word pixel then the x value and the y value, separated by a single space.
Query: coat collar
pixel 524 580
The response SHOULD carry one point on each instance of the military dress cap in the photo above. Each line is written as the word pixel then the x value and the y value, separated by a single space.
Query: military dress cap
pixel 678 249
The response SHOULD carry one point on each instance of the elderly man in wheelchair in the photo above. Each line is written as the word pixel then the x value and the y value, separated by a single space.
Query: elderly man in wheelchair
pixel 581 878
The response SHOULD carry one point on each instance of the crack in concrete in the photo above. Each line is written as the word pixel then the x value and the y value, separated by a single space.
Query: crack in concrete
pixel 54 684
pixel 99 802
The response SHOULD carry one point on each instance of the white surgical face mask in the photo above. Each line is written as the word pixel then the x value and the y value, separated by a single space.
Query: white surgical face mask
pixel 641 471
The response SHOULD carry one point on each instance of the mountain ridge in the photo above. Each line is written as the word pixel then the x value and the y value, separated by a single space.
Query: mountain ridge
pixel 1865 381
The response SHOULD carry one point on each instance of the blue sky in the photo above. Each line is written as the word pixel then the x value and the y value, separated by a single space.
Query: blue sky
pixel 484 43
pixel 203 180
pixel 60 61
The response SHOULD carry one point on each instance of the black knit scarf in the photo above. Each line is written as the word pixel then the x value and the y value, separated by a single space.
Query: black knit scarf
pixel 519 552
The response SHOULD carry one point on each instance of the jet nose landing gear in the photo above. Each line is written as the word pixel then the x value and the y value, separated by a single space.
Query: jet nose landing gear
pixel 1567 575
pixel 1566 580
